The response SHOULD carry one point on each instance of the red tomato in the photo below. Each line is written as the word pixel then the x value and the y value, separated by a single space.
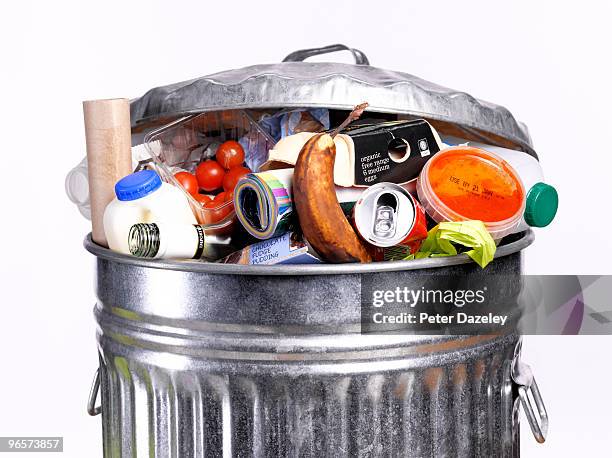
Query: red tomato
pixel 210 175
pixel 216 211
pixel 229 196
pixel 220 198
pixel 187 181
pixel 230 154
pixel 232 176
pixel 202 198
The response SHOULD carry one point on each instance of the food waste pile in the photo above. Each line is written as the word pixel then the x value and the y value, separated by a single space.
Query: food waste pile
pixel 303 186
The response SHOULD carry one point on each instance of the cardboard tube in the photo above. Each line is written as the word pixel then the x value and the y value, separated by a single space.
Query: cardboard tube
pixel 109 155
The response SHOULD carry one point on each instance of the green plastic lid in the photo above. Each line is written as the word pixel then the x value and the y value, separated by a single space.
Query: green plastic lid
pixel 541 205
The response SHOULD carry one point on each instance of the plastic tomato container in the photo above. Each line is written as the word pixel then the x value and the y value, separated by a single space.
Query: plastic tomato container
pixel 183 144
pixel 465 183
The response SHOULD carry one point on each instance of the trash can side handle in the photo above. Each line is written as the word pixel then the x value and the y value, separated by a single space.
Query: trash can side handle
pixel 92 409
pixel 302 54
pixel 525 384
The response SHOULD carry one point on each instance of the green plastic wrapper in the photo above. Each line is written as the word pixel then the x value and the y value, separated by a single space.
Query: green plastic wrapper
pixel 471 234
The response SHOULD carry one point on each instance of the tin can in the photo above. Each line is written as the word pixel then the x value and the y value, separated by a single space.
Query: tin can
pixel 387 215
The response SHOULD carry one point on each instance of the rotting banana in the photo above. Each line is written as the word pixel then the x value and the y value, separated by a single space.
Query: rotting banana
pixel 322 220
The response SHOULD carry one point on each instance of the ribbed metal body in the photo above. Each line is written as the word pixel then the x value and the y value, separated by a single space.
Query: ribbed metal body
pixel 447 404
pixel 212 360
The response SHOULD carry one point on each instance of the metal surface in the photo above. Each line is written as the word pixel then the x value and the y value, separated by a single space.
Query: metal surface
pixel 444 403
pixel 92 409
pixel 328 85
pixel 198 363
pixel 303 54
pixel 526 385
pixel 520 243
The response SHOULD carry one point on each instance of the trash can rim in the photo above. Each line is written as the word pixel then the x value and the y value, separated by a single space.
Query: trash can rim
pixel 299 269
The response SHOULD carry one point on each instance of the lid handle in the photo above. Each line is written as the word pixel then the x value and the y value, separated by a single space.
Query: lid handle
pixel 302 54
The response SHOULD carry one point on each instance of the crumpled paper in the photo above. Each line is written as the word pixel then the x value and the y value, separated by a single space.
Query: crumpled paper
pixel 471 234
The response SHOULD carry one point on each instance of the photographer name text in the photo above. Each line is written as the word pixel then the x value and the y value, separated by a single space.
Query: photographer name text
pixel 436 318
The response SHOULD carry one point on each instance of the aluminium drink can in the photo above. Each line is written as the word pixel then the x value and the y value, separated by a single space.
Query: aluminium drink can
pixel 387 215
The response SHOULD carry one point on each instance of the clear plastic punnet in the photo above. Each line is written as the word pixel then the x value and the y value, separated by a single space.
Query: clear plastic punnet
pixel 463 183
pixel 184 143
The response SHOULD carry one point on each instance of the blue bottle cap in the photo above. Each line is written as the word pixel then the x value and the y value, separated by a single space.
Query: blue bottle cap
pixel 137 185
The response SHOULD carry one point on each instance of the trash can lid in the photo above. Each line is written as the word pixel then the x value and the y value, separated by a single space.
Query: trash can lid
pixel 294 83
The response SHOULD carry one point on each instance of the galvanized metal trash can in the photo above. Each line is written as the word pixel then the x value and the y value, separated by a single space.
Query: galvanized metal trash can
pixel 220 360
pixel 205 360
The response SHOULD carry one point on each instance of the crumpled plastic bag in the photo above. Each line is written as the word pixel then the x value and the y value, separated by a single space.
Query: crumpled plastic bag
pixel 289 122
pixel 471 234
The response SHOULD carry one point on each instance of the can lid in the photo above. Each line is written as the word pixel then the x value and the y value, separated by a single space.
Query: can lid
pixel 137 185
pixel 541 206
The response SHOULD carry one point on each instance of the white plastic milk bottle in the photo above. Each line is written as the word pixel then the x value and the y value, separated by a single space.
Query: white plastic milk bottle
pixel 142 197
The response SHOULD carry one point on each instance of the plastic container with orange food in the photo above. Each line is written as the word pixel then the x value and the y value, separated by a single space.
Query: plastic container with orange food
pixel 465 183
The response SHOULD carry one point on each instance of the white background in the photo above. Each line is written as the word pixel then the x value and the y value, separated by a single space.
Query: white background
pixel 548 62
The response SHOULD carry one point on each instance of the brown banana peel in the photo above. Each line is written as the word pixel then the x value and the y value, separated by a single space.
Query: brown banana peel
pixel 322 220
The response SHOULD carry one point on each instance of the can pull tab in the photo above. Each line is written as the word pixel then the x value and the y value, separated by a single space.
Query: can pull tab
pixel 528 391
pixel 385 215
